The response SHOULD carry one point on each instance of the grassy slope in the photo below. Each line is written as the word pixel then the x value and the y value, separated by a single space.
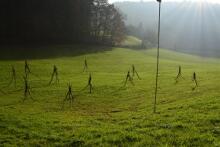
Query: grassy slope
pixel 114 116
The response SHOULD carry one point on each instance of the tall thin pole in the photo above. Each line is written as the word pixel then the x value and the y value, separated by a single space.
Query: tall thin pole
pixel 158 57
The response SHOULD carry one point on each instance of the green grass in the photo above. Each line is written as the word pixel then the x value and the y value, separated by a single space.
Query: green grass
pixel 113 115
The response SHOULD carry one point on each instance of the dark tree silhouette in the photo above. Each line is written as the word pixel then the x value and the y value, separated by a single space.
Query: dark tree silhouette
pixel 66 21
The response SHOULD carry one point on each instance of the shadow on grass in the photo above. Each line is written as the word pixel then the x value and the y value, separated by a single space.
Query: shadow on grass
pixel 18 52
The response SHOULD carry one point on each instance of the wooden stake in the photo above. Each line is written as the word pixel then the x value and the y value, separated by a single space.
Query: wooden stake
pixel 158 57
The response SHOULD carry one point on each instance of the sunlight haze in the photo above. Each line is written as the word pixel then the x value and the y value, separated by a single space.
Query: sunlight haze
pixel 212 1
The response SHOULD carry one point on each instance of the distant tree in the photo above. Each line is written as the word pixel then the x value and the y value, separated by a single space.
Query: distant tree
pixel 107 23
pixel 148 36
pixel 117 27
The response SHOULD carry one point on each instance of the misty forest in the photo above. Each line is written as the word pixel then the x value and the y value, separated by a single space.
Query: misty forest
pixel 110 73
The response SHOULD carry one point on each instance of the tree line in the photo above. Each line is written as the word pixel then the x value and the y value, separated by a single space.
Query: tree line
pixel 56 21
pixel 147 35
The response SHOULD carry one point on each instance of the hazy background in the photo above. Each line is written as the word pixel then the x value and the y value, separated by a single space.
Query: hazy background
pixel 210 1
pixel 186 26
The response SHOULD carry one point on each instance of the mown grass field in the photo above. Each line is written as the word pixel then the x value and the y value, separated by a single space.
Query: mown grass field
pixel 113 115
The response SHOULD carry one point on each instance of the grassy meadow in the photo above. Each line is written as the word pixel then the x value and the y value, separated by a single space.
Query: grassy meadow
pixel 113 115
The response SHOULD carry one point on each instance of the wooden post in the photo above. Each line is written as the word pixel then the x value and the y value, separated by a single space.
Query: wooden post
pixel 158 57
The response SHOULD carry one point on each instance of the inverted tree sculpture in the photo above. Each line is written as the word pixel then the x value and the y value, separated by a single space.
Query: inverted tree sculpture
pixel 128 78
pixel 27 89
pixel 194 79
pixel 179 75
pixel 27 70
pixel 89 85
pixel 134 72
pixel 69 96
pixel 85 69
pixel 54 75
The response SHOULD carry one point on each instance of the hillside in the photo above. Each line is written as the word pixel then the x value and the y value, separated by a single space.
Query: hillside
pixel 112 115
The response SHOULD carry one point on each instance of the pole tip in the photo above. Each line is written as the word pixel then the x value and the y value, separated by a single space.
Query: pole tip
pixel 159 1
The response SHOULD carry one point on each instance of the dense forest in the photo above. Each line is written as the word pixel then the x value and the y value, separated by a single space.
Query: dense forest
pixel 56 21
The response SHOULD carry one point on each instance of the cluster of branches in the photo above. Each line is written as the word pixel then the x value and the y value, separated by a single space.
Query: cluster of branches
pixel 66 21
